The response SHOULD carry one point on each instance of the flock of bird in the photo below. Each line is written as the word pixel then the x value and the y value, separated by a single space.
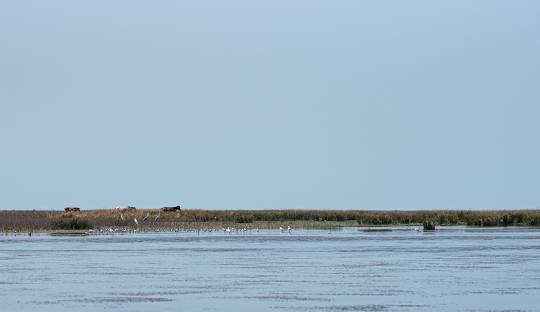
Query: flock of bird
pixel 227 230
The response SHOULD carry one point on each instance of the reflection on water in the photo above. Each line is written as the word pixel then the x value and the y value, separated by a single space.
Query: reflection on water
pixel 452 269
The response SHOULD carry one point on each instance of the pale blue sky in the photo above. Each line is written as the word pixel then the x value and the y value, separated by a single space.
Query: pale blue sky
pixel 270 104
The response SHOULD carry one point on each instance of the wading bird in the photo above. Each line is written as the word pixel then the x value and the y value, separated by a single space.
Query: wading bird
pixel 146 217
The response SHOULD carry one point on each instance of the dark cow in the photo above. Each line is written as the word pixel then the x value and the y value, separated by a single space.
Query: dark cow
pixel 176 208
pixel 72 209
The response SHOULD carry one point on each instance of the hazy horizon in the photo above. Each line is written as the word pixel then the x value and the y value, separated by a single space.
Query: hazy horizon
pixel 379 105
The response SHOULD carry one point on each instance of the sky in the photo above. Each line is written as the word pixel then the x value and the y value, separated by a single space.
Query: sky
pixel 373 104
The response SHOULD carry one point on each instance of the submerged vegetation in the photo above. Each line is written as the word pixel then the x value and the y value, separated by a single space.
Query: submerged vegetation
pixel 428 225
pixel 150 219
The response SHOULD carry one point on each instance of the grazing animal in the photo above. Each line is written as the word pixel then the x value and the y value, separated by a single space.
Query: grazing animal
pixel 125 207
pixel 175 208
pixel 72 209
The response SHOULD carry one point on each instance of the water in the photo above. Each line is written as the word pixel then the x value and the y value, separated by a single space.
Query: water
pixel 453 269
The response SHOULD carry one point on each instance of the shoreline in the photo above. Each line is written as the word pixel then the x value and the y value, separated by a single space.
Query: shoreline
pixel 148 220
pixel 255 231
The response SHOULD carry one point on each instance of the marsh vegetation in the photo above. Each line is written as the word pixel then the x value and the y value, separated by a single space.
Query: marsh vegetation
pixel 150 219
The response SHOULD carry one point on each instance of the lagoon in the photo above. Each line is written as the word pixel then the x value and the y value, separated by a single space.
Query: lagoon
pixel 345 269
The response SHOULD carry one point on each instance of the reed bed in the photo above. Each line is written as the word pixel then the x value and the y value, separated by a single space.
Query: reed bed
pixel 154 219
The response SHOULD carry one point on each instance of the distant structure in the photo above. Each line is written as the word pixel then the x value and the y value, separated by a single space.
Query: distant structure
pixel 72 209
pixel 175 208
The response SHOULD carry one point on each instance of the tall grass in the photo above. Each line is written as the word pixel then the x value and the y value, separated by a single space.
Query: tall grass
pixel 99 218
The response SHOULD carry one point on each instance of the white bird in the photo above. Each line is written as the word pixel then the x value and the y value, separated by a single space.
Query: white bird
pixel 146 217
pixel 122 217
pixel 281 229
pixel 135 220
pixel 156 218
pixel 289 228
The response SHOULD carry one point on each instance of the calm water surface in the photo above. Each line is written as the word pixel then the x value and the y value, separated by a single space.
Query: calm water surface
pixel 453 269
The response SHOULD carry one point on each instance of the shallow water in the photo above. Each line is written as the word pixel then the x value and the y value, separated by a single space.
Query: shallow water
pixel 452 269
